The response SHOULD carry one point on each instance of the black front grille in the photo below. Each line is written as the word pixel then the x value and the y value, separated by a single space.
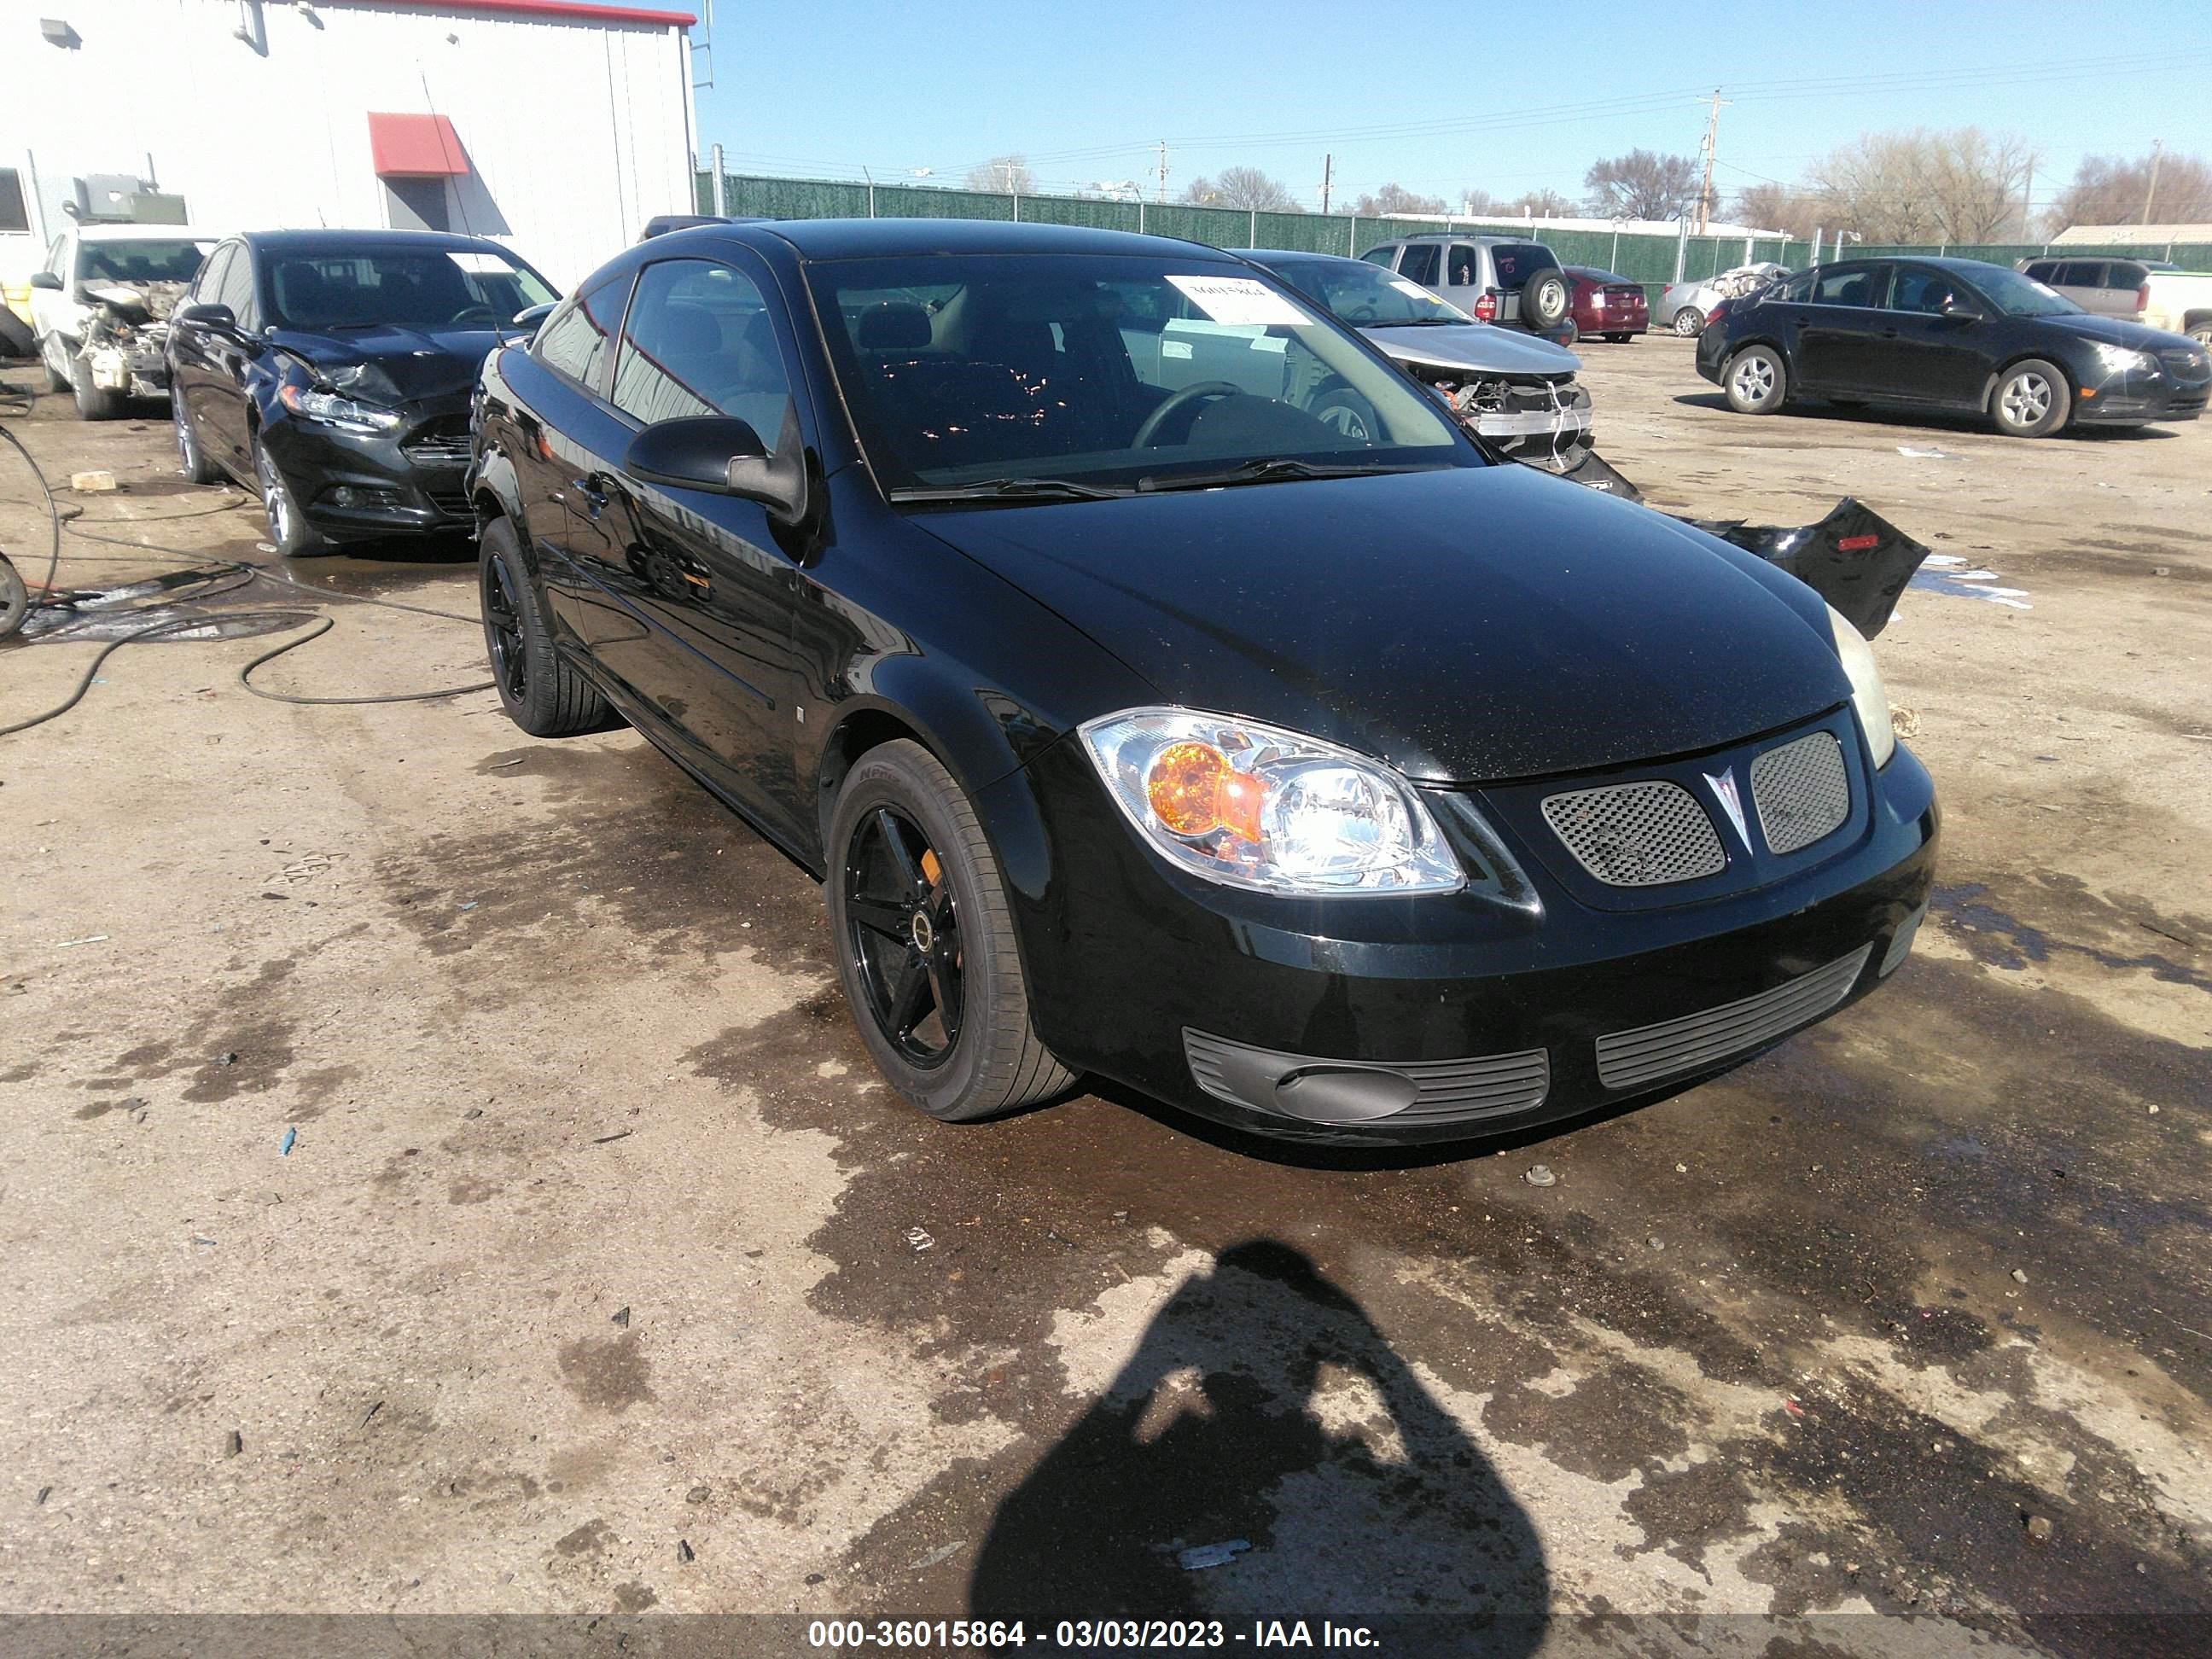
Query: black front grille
pixel 442 441
pixel 2190 367
pixel 452 500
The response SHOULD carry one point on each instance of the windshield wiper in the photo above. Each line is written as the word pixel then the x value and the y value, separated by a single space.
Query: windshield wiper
pixel 1266 469
pixel 1013 489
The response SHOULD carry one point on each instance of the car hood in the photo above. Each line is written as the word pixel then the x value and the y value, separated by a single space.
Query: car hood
pixel 1465 624
pixel 1478 346
pixel 393 365
pixel 2116 331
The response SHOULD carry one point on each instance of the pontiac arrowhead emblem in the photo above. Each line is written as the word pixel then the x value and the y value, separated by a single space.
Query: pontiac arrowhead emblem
pixel 1725 792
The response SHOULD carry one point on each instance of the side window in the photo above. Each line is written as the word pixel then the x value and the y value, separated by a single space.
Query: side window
pixel 2121 274
pixel 236 289
pixel 15 216
pixel 1464 269
pixel 576 339
pixel 1859 286
pixel 700 341
pixel 207 286
pixel 2080 273
pixel 1917 288
pixel 1799 289
pixel 1420 263
pixel 2041 270
pixel 1380 256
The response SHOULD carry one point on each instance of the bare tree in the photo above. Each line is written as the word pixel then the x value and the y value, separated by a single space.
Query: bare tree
pixel 1243 187
pixel 1004 175
pixel 1641 185
pixel 1922 186
pixel 2109 191
pixel 1473 203
pixel 1539 205
pixel 1393 199
pixel 1778 207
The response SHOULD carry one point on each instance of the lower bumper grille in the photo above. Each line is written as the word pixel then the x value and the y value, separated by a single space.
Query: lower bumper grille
pixel 1627 1060
pixel 1353 1091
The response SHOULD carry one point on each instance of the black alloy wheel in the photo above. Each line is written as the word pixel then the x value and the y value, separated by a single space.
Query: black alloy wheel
pixel 289 532
pixel 543 693
pixel 924 941
pixel 902 928
pixel 191 461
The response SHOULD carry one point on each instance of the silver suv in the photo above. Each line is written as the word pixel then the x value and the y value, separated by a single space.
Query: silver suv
pixel 1495 279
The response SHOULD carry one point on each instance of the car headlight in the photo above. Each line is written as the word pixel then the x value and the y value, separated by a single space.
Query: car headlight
pixel 330 410
pixel 1256 807
pixel 1868 695
pixel 2123 360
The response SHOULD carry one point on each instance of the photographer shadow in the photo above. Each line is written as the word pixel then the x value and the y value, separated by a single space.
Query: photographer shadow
pixel 1262 1406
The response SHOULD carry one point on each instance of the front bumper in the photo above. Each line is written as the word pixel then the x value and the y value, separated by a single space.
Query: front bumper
pixel 2176 392
pixel 1532 420
pixel 135 365
pixel 353 486
pixel 1521 1001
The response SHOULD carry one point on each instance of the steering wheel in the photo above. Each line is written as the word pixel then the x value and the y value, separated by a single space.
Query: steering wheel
pixel 484 312
pixel 1366 312
pixel 1189 394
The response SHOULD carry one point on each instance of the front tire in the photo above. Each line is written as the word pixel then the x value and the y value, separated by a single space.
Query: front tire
pixel 1756 380
pixel 925 942
pixel 2201 331
pixel 1620 339
pixel 93 403
pixel 2031 399
pixel 1689 322
pixel 289 532
pixel 543 693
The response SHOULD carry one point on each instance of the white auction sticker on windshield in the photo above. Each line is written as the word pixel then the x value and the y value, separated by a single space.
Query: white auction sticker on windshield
pixel 1413 289
pixel 480 265
pixel 1240 299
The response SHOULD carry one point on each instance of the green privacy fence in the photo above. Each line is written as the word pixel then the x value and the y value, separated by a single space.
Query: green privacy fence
pixel 1638 256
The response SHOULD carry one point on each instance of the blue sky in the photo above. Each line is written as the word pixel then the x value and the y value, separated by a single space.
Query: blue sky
pixel 1435 97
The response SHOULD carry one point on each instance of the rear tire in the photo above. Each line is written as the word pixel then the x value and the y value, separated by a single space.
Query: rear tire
pixel 191 459
pixel 2201 331
pixel 2031 399
pixel 1620 339
pixel 93 403
pixel 1544 302
pixel 1756 380
pixel 1689 322
pixel 899 817
pixel 543 693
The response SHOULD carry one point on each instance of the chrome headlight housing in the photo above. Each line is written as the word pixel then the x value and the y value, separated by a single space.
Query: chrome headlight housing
pixel 2123 360
pixel 1253 805
pixel 1868 695
pixel 328 409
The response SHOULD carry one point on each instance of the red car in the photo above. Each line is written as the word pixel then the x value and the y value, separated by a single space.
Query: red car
pixel 1602 303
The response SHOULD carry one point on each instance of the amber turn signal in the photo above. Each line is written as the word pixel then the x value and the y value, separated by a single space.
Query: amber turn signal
pixel 1194 791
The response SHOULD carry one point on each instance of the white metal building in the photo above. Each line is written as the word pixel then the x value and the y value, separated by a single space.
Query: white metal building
pixel 556 127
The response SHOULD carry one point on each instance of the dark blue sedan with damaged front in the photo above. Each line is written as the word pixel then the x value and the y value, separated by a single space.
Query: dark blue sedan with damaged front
pixel 1141 722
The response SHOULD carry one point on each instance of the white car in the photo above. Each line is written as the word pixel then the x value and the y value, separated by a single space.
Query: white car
pixel 1686 306
pixel 99 310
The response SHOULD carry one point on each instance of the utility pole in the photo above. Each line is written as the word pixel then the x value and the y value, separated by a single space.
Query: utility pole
pixel 1711 147
pixel 1328 166
pixel 2157 153
pixel 1164 170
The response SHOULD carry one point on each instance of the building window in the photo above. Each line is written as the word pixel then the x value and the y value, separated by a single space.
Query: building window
pixel 417 204
pixel 15 219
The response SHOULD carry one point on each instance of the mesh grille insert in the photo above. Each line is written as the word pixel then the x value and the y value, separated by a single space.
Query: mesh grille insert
pixel 1802 790
pixel 1636 834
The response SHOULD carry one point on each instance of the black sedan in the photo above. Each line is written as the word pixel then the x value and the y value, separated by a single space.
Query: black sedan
pixel 329 371
pixel 1139 723
pixel 1948 334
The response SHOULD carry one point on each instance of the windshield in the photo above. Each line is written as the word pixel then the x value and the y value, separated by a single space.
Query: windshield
pixel 467 289
pixel 1110 372
pixel 135 261
pixel 2021 296
pixel 1366 296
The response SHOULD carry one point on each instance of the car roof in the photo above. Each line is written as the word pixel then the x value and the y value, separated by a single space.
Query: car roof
pixel 313 242
pixel 864 239
pixel 99 233
pixel 1294 255
pixel 1486 238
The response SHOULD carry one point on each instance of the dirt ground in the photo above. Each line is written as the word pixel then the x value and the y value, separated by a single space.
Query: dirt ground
pixel 601 1275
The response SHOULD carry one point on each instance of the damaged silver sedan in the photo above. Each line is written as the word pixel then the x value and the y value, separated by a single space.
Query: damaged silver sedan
pixel 1517 390
pixel 100 306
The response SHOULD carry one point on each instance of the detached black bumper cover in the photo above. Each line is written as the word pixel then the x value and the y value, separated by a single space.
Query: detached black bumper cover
pixel 353 485
pixel 1854 559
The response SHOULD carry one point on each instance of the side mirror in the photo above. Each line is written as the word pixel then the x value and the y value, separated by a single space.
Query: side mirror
pixel 1955 310
pixel 724 454
pixel 208 314
pixel 47 279
pixel 527 320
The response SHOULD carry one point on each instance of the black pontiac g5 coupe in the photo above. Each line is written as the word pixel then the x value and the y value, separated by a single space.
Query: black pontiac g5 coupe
pixel 1141 722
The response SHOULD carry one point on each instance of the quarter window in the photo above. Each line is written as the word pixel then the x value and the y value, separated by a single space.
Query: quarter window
pixel 576 339
pixel 1463 270
pixel 700 341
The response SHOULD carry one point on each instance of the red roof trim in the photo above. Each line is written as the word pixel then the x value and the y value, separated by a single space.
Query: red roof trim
pixel 573 11
pixel 415 147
